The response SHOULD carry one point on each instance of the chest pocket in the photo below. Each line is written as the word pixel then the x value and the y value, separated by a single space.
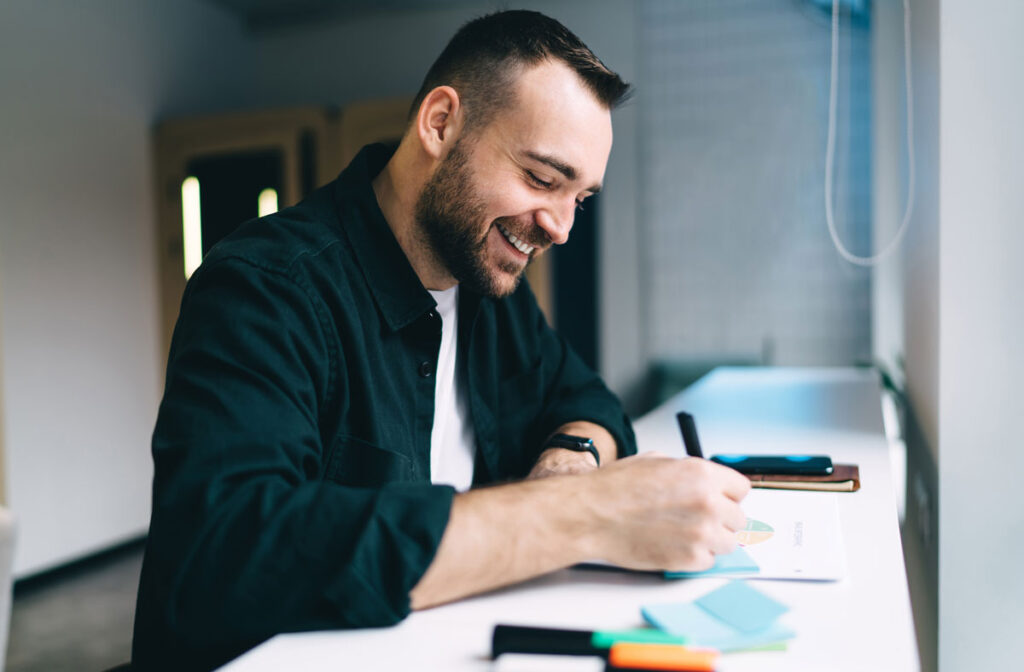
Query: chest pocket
pixel 359 463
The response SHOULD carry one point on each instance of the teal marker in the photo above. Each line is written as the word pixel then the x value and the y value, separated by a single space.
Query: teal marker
pixel 603 639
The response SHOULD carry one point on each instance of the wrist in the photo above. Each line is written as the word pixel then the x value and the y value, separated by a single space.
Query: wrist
pixel 560 455
pixel 561 462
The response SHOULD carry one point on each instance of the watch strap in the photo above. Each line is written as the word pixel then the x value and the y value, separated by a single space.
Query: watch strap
pixel 580 444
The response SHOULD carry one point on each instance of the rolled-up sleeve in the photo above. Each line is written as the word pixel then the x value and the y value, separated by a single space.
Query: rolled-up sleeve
pixel 247 537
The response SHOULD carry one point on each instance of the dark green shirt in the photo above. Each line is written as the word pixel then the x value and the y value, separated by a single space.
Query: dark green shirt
pixel 292 449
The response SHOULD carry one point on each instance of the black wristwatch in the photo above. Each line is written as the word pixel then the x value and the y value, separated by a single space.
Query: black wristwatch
pixel 580 444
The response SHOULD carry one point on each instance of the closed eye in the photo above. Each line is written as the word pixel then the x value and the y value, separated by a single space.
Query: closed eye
pixel 539 182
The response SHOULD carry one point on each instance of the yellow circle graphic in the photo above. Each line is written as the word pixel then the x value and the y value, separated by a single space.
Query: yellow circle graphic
pixel 754 533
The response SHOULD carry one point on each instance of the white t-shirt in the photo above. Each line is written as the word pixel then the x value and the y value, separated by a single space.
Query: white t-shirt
pixel 452 439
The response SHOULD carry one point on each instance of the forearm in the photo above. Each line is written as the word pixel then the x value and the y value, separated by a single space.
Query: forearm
pixel 643 512
pixel 507 534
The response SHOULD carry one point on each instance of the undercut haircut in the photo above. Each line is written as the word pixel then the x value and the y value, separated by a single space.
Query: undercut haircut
pixel 483 59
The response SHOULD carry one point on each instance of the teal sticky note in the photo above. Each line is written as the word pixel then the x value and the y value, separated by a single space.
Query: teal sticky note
pixel 732 563
pixel 703 629
pixel 742 606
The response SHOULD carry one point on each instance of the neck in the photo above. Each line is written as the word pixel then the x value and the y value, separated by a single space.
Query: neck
pixel 397 188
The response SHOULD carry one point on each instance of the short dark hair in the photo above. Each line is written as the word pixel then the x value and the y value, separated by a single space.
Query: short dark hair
pixel 483 58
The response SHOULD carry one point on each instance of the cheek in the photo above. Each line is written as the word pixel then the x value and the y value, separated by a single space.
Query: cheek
pixel 510 200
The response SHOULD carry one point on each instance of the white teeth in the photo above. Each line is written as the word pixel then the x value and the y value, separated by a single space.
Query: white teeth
pixel 516 242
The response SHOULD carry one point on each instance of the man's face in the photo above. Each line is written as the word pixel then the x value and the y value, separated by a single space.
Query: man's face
pixel 509 190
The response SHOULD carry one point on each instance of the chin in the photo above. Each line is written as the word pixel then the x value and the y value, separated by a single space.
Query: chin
pixel 498 284
pixel 490 276
pixel 503 287
pixel 508 288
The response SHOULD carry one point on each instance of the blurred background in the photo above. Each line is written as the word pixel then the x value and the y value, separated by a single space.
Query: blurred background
pixel 136 133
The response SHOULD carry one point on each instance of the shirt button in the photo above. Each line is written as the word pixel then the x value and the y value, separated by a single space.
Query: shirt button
pixel 434 322
pixel 426 369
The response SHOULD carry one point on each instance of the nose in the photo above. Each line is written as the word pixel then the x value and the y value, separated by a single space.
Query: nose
pixel 556 221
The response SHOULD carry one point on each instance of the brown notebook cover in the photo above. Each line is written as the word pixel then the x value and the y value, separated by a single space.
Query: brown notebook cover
pixel 844 478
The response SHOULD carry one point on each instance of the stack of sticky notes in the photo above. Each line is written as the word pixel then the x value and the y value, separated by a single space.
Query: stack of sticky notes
pixel 735 617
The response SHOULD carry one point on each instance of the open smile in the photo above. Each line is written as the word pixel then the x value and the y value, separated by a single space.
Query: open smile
pixel 516 242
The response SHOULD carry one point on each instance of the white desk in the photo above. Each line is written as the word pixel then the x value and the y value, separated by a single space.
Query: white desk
pixel 860 623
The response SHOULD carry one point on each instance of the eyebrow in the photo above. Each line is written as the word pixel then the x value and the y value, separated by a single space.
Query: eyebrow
pixel 565 169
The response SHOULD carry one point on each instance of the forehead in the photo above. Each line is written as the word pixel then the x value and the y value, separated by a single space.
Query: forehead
pixel 554 114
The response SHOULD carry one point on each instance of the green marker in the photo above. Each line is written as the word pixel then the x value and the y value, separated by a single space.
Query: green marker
pixel 603 639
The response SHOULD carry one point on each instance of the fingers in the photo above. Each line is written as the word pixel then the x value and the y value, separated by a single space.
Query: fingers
pixel 701 560
pixel 671 513
pixel 734 485
pixel 724 542
pixel 730 515
pixel 723 519
pixel 718 506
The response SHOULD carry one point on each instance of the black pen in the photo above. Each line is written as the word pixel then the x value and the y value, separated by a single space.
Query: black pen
pixel 689 430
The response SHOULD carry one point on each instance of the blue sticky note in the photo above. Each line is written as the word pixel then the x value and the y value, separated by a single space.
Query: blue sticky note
pixel 703 629
pixel 743 607
pixel 732 563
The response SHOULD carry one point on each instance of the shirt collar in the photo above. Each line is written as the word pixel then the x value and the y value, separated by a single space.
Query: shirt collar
pixel 400 296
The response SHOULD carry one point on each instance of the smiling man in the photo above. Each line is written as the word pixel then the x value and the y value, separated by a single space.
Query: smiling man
pixel 347 374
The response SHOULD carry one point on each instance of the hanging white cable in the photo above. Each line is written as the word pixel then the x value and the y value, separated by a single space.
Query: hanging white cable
pixel 830 149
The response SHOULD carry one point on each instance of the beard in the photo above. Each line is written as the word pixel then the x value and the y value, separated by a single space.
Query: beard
pixel 449 213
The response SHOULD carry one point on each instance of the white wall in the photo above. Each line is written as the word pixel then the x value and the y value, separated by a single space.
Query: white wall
pixel 963 319
pixel 889 183
pixel 981 332
pixel 81 85
pixel 921 248
pixel 905 294
pixel 737 259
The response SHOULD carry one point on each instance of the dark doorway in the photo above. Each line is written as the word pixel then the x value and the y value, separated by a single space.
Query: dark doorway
pixel 229 188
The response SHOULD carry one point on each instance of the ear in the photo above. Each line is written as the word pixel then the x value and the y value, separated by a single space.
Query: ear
pixel 439 120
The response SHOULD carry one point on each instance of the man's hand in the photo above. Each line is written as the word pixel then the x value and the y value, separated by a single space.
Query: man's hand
pixel 665 513
pixel 562 461
pixel 644 512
